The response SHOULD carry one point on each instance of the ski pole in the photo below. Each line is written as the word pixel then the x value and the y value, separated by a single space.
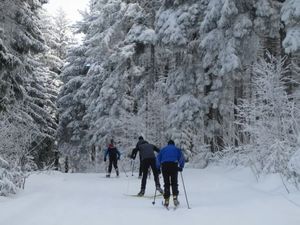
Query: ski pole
pixel 123 169
pixel 153 203
pixel 186 198
pixel 132 168
pixel 131 162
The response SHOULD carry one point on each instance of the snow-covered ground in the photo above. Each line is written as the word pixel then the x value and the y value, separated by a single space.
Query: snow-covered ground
pixel 217 196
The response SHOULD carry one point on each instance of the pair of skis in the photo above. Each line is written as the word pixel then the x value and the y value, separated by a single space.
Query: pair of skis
pixel 144 196
pixel 167 207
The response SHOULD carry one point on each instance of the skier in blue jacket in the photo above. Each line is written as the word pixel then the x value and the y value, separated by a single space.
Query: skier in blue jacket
pixel 171 160
pixel 113 155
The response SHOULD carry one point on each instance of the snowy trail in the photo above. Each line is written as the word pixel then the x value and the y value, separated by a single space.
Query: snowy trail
pixel 217 196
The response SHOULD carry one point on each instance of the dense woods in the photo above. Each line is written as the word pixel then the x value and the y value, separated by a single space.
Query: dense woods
pixel 219 77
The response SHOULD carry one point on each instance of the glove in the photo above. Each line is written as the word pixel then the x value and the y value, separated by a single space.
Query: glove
pixel 180 169
pixel 104 160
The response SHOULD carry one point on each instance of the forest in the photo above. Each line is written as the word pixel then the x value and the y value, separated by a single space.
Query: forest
pixel 219 77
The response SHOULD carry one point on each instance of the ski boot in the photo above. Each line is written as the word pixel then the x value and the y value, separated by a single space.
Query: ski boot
pixel 158 188
pixel 175 200
pixel 141 193
pixel 117 171
pixel 108 175
pixel 166 202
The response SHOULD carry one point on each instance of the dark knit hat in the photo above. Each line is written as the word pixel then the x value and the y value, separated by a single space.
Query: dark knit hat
pixel 141 138
pixel 171 142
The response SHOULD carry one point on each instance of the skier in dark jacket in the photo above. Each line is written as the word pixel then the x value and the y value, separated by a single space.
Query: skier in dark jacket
pixel 114 155
pixel 147 156
pixel 170 159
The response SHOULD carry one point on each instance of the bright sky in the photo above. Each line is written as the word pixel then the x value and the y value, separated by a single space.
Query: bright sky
pixel 71 7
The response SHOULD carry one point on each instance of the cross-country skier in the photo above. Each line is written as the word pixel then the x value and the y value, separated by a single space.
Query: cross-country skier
pixel 147 155
pixel 113 156
pixel 171 160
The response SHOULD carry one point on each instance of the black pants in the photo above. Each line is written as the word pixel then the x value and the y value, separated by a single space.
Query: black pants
pixel 140 169
pixel 170 175
pixel 112 162
pixel 146 163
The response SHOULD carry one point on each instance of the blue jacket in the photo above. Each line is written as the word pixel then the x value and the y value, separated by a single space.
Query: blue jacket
pixel 113 153
pixel 170 153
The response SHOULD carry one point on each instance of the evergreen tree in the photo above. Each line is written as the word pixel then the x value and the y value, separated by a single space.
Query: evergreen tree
pixel 63 33
pixel 50 57
pixel 169 69
pixel 227 38
pixel 71 106
pixel 290 15
pixel 28 126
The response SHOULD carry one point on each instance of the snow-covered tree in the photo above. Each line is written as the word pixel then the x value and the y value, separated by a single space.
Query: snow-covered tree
pixel 168 69
pixel 71 105
pixel 230 46
pixel 269 118
pixel 290 15
pixel 184 120
pixel 107 90
pixel 52 40
pixel 25 79
pixel 10 178
pixel 63 34
pixel 294 165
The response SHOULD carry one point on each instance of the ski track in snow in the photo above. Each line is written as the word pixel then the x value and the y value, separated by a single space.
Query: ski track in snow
pixel 217 196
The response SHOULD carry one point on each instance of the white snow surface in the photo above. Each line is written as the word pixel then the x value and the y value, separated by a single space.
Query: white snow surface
pixel 217 196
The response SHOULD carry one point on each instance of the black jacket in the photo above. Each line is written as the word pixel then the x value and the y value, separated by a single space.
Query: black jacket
pixel 145 150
